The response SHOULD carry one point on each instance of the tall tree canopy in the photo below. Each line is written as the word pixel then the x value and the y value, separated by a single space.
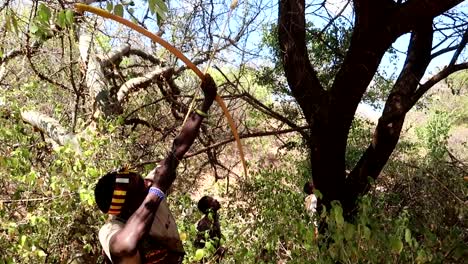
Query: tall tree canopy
pixel 329 109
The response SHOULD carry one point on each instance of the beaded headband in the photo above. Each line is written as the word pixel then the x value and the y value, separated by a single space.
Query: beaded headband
pixel 122 180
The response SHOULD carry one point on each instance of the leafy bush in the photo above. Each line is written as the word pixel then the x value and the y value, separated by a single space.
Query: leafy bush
pixel 268 224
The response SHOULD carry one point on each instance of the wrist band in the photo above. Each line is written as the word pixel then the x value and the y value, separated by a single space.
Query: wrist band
pixel 201 113
pixel 156 191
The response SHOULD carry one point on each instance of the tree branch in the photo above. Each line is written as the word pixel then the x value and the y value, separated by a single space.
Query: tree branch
pixel 334 18
pixel 224 142
pixel 372 36
pixel 302 78
pixel 263 108
pixel 146 56
pixel 443 51
pixel 249 135
pixel 52 129
pixel 134 84
pixel 115 56
pixel 389 127
pixel 434 80
pixel 415 10
pixel 461 46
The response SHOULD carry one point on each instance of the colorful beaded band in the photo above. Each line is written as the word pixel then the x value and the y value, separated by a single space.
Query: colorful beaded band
pixel 156 191
pixel 120 191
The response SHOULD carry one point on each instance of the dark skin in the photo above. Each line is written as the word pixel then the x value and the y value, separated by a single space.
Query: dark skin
pixel 141 209
pixel 209 223
pixel 309 188
pixel 208 205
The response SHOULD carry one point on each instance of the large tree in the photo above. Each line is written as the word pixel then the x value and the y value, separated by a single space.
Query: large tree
pixel 329 110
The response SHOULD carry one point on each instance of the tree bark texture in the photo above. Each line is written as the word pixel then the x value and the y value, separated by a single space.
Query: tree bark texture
pixel 52 129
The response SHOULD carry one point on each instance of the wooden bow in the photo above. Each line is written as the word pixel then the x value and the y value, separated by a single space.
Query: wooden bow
pixel 102 13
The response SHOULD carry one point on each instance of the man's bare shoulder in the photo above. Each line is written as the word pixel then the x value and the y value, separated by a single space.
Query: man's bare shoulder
pixel 107 231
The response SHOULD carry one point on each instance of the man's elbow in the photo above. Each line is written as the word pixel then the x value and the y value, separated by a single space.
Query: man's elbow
pixel 123 247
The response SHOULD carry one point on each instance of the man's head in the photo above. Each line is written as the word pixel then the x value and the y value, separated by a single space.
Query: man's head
pixel 309 187
pixel 120 192
pixel 207 204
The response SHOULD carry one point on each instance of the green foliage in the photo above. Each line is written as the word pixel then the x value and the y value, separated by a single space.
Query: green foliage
pixel 358 140
pixel 458 82
pixel 159 8
pixel 325 52
pixel 435 133
pixel 43 23
pixel 10 21
pixel 51 201
pixel 269 225
pixel 47 208
pixel 119 10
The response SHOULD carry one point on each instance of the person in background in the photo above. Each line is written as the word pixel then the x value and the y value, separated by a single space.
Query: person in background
pixel 311 204
pixel 208 228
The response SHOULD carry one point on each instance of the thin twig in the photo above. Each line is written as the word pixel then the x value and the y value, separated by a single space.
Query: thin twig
pixel 33 199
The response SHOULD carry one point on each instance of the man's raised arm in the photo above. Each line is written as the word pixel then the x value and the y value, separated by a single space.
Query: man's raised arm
pixel 123 245
pixel 166 172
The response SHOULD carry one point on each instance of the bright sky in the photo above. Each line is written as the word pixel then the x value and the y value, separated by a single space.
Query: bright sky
pixel 389 64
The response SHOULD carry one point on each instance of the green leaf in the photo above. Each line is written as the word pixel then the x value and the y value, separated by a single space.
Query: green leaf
pixel 162 5
pixel 14 22
pixel 159 8
pixel 421 257
pixel 338 215
pixel 109 6
pixel 199 254
pixel 7 23
pixel 70 17
pixel 367 232
pixel 43 13
pixel 23 240
pixel 34 28
pixel 349 231
pixel 119 10
pixel 61 19
pixel 408 236
pixel 396 245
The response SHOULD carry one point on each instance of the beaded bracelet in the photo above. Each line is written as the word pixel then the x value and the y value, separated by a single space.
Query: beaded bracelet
pixel 201 113
pixel 156 191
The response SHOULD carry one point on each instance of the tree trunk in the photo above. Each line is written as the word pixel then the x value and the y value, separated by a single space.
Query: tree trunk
pixel 330 112
pixel 96 81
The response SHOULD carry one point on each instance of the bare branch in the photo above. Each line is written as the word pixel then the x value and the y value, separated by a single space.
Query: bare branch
pixel 334 18
pixel 416 10
pixel 263 108
pixel 249 135
pixel 461 46
pixel 115 56
pixel 134 84
pixel 435 79
pixel 443 51
pixel 146 56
